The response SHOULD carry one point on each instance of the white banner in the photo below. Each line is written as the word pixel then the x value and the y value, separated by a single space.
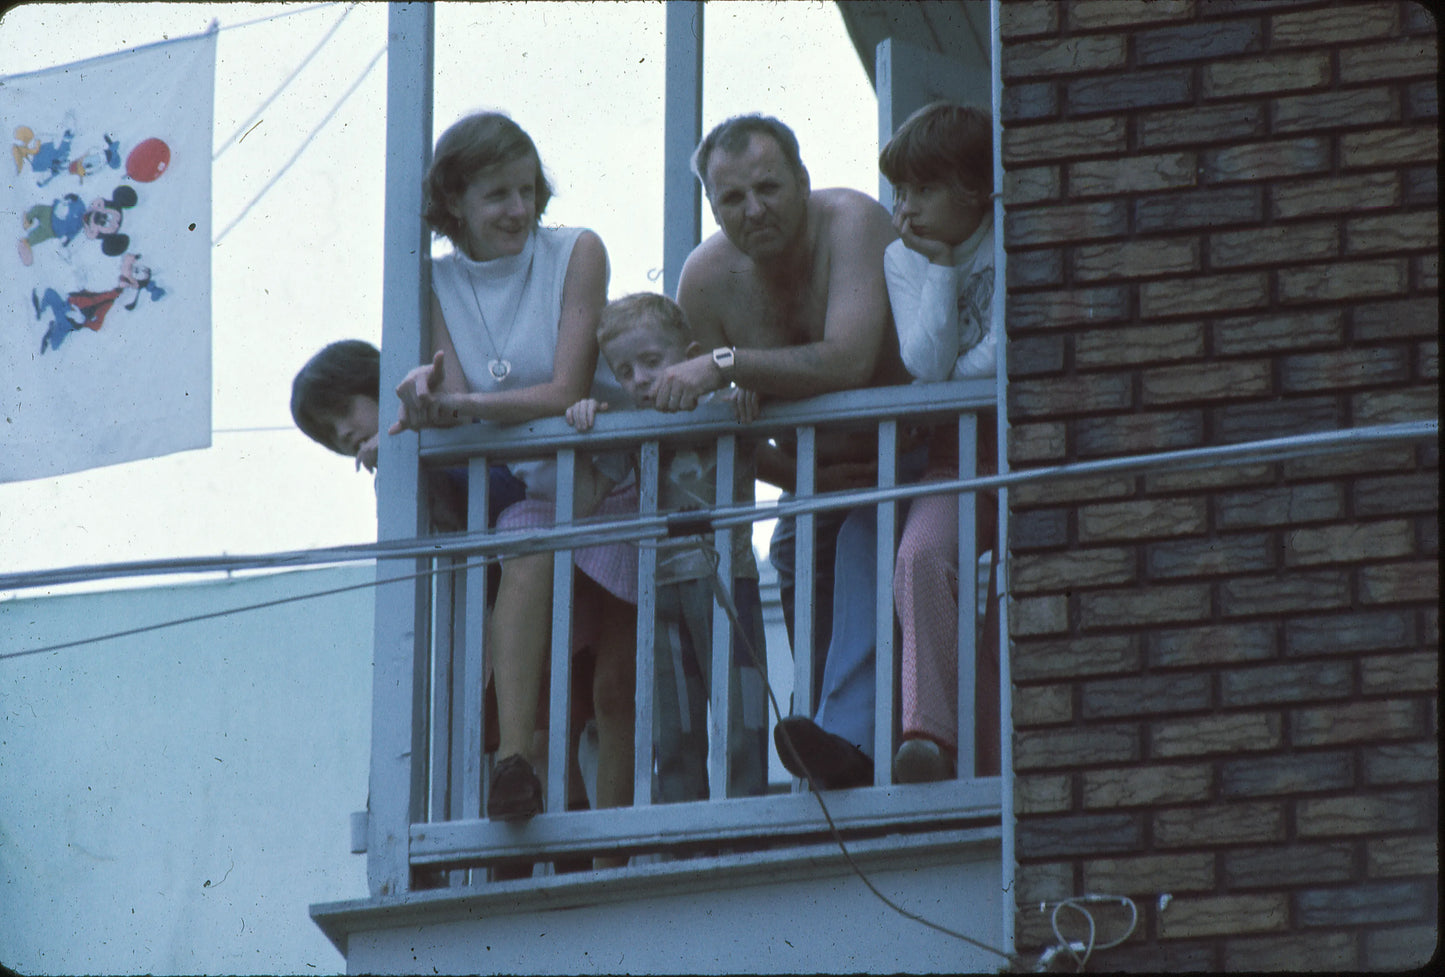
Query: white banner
pixel 105 310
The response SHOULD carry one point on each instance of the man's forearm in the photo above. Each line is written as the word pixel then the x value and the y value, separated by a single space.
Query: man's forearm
pixel 795 372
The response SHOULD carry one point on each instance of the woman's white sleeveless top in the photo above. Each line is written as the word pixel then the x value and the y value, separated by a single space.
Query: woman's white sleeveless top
pixel 509 309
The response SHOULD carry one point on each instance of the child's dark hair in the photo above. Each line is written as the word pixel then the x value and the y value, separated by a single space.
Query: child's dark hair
pixel 322 391
pixel 470 145
pixel 621 316
pixel 942 143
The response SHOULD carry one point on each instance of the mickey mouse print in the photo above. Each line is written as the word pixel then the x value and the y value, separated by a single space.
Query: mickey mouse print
pixel 106 271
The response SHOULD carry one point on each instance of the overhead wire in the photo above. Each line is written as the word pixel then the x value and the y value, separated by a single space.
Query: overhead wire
pixel 245 126
pixel 270 17
pixel 302 148
pixel 259 605
pixel 633 529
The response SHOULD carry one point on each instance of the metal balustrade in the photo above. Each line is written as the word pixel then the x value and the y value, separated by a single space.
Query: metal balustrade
pixel 452 832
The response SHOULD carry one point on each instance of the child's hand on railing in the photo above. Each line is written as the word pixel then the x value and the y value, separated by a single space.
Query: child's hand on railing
pixel 582 414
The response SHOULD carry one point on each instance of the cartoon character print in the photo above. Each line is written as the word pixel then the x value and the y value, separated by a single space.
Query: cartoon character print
pixel 974 298
pixel 90 162
pixel 48 156
pixel 67 217
pixel 86 309
pixel 27 147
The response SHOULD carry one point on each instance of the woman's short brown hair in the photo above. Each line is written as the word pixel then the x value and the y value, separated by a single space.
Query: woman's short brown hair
pixel 470 145
pixel 942 143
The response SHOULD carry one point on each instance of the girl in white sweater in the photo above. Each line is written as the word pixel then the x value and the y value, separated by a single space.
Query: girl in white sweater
pixel 940 284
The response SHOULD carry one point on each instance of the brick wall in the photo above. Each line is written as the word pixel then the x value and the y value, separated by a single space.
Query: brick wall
pixel 1221 226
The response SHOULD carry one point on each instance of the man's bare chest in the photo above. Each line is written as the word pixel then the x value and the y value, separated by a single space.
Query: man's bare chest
pixel 772 317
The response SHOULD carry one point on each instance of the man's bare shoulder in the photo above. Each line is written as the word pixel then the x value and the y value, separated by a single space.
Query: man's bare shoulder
pixel 714 264
pixel 852 218
pixel 847 202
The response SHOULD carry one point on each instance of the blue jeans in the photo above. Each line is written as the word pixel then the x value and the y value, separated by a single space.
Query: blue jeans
pixel 782 554
pixel 848 693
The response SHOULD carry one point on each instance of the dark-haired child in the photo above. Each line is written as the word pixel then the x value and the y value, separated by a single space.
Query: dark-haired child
pixel 940 285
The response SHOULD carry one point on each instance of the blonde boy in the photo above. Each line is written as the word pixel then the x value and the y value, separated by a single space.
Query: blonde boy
pixel 640 336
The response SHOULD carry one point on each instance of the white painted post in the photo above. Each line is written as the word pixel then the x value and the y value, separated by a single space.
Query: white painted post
pixel 885 542
pixel 398 728
pixel 682 130
pixel 967 596
pixel 804 560
pixel 719 760
pixel 471 659
pixel 649 489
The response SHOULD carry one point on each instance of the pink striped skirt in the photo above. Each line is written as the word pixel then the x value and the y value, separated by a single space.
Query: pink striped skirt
pixel 612 565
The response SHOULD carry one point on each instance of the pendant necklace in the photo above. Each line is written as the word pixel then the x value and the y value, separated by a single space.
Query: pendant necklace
pixel 500 368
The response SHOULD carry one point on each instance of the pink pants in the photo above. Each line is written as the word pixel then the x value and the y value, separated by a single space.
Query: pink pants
pixel 925 592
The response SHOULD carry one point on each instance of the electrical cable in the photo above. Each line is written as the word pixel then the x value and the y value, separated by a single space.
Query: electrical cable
pixel 302 148
pixel 271 17
pixel 1073 947
pixel 174 622
pixel 724 600
pixel 245 127
pixel 639 528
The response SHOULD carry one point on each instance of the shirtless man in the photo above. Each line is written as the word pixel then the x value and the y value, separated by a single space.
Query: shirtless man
pixel 790 295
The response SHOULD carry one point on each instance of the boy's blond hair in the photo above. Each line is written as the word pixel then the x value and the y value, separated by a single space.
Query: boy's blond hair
pixel 942 143
pixel 643 310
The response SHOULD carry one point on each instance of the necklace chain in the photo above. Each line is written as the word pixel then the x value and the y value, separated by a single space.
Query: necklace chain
pixel 499 367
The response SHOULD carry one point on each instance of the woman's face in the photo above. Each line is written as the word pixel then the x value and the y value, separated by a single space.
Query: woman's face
pixel 498 209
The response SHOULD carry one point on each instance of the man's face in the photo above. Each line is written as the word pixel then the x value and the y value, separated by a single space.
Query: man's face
pixel 759 201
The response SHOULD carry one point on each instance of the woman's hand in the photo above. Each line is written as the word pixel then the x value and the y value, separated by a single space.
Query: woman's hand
pixel 582 414
pixel 418 395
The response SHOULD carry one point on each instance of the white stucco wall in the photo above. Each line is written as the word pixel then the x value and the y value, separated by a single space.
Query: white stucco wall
pixel 172 802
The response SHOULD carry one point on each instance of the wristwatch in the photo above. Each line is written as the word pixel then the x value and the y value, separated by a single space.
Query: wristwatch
pixel 723 356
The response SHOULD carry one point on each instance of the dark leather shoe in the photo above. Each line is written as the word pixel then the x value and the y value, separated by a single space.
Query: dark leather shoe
pixel 828 760
pixel 515 793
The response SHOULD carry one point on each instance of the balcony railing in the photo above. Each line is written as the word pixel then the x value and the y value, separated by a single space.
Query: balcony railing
pixel 450 831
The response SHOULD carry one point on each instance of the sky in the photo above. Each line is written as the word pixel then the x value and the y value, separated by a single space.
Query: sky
pixel 296 262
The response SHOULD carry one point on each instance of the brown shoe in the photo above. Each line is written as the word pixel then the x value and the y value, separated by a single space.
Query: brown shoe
pixel 921 761
pixel 515 793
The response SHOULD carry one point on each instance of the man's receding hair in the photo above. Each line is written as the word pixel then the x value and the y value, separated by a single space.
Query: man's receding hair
pixel 643 309
pixel 470 145
pixel 322 391
pixel 942 143
pixel 732 136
